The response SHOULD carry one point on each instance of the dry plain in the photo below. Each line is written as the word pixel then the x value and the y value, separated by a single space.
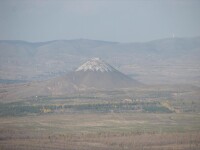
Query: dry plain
pixel 153 117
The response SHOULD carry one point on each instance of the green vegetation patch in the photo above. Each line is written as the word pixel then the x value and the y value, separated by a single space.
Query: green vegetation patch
pixel 38 107
pixel 18 109
pixel 155 108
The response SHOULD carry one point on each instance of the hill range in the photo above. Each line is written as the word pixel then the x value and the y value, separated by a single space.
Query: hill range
pixel 172 60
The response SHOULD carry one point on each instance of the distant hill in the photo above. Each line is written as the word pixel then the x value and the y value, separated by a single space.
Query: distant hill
pixel 173 60
pixel 95 73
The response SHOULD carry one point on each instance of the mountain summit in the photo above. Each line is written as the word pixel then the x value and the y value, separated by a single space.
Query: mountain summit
pixel 96 64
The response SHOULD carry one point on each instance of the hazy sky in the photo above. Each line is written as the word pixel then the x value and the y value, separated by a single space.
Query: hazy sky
pixel 112 20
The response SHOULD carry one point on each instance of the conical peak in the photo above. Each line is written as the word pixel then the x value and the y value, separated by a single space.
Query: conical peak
pixel 95 64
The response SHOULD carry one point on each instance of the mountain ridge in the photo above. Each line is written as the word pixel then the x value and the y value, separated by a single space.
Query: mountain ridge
pixel 149 61
pixel 97 40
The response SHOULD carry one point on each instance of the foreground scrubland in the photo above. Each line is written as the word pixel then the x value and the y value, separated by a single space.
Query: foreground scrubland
pixel 152 118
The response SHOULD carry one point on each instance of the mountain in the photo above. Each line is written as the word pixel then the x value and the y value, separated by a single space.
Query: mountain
pixel 95 73
pixel 172 60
